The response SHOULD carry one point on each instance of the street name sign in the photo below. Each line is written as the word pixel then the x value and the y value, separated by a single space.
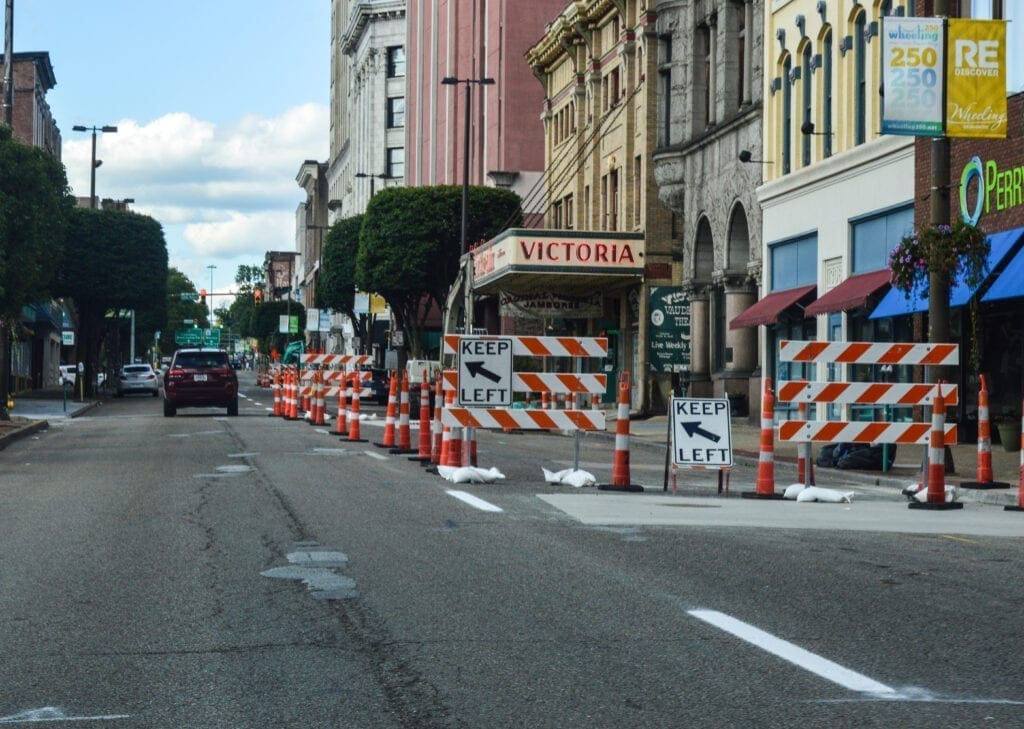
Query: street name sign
pixel 701 432
pixel 485 371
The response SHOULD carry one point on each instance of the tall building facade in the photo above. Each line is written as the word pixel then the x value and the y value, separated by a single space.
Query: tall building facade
pixel 837 194
pixel 708 162
pixel 471 39
pixel 594 61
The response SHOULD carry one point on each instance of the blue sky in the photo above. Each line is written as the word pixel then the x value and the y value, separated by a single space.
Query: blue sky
pixel 217 103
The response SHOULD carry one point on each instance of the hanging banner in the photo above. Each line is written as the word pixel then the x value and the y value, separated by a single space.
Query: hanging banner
pixel 912 67
pixel 550 306
pixel 668 331
pixel 976 79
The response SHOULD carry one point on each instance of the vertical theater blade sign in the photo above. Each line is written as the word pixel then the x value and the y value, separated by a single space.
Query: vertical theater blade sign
pixel 668 339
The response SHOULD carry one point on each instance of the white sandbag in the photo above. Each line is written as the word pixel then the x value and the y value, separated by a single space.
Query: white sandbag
pixel 469 474
pixel 570 477
pixel 793 490
pixel 951 494
pixel 827 496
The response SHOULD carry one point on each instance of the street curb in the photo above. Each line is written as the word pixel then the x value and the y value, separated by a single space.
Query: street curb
pixel 34 427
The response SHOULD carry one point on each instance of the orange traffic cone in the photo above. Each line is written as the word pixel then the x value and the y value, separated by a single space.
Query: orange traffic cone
pixel 404 433
pixel 354 435
pixel 389 418
pixel 936 496
pixel 984 446
pixel 423 454
pixel 766 459
pixel 620 461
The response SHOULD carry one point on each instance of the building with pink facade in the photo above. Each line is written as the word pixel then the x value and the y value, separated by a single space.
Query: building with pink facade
pixel 472 39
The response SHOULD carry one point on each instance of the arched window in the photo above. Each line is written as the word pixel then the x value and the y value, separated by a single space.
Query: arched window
pixel 826 94
pixel 859 81
pixel 805 80
pixel 787 115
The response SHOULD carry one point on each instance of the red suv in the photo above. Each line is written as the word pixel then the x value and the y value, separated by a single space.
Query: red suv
pixel 200 378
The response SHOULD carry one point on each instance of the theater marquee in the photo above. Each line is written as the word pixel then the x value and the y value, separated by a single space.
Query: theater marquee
pixel 572 253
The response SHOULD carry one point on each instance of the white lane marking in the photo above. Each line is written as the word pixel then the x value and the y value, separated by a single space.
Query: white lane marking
pixel 378 456
pixel 473 501
pixel 52 713
pixel 794 654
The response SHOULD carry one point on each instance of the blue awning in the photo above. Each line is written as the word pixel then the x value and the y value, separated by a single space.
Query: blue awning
pixel 1010 283
pixel 897 303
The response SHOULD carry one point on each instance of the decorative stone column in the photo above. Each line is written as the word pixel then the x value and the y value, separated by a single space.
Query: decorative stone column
pixel 700 339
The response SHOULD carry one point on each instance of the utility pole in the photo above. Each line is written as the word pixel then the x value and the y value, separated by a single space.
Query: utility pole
pixel 938 282
pixel 9 64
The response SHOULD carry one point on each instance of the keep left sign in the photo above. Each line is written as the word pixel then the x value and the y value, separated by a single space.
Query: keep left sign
pixel 485 371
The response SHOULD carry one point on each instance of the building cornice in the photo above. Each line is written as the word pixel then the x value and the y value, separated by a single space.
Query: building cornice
pixel 362 15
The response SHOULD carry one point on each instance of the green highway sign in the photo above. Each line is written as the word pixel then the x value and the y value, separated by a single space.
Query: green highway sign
pixel 197 337
pixel 189 296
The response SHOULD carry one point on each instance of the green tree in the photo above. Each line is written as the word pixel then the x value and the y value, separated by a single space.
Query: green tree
pixel 178 311
pixel 266 322
pixel 113 261
pixel 34 207
pixel 336 287
pixel 410 245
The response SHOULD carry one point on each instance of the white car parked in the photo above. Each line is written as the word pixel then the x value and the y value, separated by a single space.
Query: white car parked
pixel 68 374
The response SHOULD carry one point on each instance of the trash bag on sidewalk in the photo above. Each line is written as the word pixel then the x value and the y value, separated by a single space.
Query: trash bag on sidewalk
pixel 854 456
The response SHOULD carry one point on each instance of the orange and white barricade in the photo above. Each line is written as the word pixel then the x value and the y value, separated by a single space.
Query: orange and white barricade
pixel 869 393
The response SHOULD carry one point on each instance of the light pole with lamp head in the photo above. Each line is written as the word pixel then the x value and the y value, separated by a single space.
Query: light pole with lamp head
pixel 95 162
pixel 468 283
pixel 383 177
pixel 211 267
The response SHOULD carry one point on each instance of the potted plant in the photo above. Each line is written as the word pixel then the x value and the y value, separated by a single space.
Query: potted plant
pixel 1008 426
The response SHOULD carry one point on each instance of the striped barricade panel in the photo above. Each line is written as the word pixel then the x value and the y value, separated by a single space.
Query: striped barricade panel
pixel 542 346
pixel 335 360
pixel 869 353
pixel 843 431
pixel 544 382
pixel 865 393
pixel 523 419
pixel 334 391
pixel 336 375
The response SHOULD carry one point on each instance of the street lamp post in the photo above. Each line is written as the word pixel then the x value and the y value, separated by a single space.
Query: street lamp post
pixel 468 283
pixel 385 176
pixel 211 267
pixel 95 162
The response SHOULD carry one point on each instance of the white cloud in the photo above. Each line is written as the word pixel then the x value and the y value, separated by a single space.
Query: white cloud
pixel 225 194
pixel 242 233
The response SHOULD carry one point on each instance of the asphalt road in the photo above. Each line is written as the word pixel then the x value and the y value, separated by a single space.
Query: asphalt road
pixel 205 571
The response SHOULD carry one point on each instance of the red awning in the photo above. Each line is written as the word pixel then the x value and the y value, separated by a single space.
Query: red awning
pixel 767 310
pixel 852 293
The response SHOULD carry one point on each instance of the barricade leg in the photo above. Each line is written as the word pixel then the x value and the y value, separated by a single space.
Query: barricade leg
pixel 984 446
pixel 1020 488
pixel 766 458
pixel 936 495
pixel 804 460
pixel 620 463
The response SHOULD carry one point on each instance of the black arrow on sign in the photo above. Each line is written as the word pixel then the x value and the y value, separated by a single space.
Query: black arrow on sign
pixel 477 368
pixel 693 428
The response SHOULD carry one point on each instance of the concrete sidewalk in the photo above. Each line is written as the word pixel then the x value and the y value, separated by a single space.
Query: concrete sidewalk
pixel 34 410
pixel 746 444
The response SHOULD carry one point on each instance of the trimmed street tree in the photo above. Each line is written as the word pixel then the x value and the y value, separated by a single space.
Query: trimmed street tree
pixel 34 207
pixel 336 287
pixel 409 246
pixel 113 261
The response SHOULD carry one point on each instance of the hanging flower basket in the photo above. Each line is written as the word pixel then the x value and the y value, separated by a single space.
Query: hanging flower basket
pixel 956 251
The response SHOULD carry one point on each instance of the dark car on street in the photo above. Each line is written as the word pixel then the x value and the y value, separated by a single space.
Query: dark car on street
pixel 200 378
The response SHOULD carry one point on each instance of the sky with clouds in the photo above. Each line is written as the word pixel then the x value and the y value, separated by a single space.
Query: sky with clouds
pixel 217 104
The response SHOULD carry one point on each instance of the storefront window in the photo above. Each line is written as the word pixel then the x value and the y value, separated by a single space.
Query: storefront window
pixel 874 237
pixel 794 262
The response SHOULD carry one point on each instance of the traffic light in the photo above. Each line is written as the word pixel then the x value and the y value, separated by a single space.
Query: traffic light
pixel 202 296
pixel 258 296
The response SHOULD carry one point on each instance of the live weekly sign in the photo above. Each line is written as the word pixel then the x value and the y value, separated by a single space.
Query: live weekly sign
pixel 485 371
pixel 701 432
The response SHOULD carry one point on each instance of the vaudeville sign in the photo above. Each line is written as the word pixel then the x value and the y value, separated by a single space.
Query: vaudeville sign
pixel 701 432
pixel 668 332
